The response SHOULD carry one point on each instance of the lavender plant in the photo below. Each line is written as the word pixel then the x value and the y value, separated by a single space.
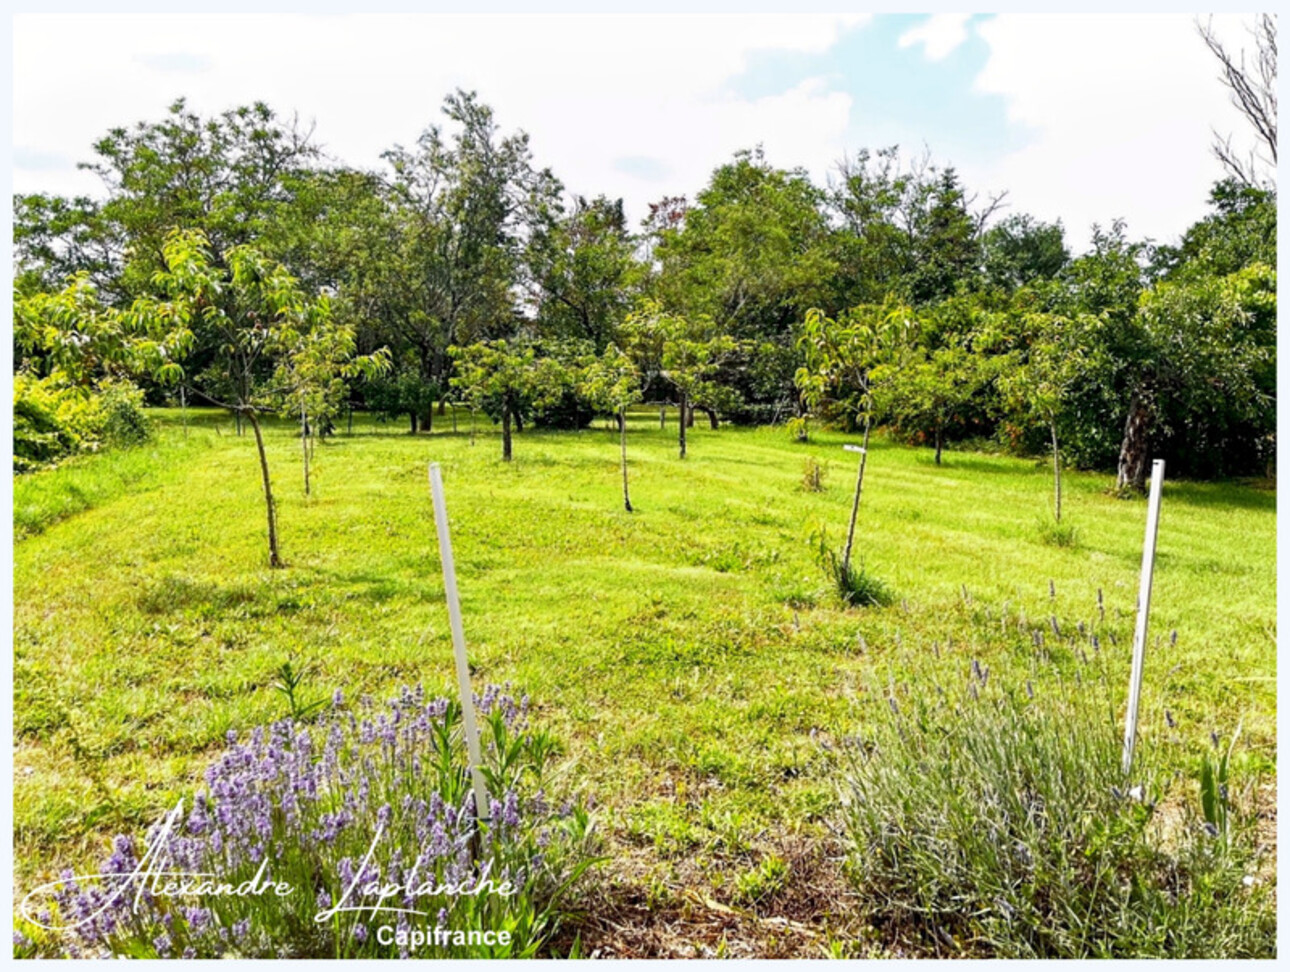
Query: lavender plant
pixel 353 837
pixel 993 820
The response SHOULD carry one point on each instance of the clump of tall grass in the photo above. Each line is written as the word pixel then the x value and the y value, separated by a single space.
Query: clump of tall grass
pixel 855 586
pixel 1056 533
pixel 994 820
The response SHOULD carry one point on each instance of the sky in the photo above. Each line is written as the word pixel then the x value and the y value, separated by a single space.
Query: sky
pixel 1083 118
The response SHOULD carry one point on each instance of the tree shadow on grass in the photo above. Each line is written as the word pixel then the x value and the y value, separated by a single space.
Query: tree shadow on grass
pixel 1223 496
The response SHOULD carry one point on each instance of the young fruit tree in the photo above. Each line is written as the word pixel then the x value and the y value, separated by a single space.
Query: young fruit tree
pixel 266 331
pixel 686 353
pixel 928 389
pixel 507 379
pixel 843 369
pixel 311 379
pixel 1039 385
pixel 611 383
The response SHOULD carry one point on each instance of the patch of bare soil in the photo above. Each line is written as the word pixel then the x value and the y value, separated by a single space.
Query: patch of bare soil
pixel 640 907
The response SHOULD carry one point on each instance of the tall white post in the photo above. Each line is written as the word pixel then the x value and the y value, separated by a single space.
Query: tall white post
pixel 471 729
pixel 1144 609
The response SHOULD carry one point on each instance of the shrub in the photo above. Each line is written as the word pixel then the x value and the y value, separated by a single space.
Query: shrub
pixel 39 435
pixel 799 429
pixel 122 422
pixel 340 809
pixel 993 822
pixel 813 473
pixel 53 420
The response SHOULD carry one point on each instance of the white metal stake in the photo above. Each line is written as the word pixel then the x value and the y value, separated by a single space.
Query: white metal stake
pixel 1144 609
pixel 458 642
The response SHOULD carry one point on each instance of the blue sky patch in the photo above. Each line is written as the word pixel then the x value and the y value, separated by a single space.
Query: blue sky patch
pixel 643 167
pixel 899 95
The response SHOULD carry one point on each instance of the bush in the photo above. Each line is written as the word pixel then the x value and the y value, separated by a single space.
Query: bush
pixel 343 810
pixel 813 473
pixel 997 822
pixel 53 421
pixel 122 422
pixel 571 411
pixel 40 437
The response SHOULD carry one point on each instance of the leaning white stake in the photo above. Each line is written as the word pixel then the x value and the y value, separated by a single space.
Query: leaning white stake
pixel 1144 609
pixel 458 642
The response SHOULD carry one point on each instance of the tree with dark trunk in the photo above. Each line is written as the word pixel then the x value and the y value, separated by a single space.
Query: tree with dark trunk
pixel 1135 459
pixel 504 378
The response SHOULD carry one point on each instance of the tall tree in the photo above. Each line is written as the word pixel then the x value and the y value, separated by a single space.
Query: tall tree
pixel 583 272
pixel 466 208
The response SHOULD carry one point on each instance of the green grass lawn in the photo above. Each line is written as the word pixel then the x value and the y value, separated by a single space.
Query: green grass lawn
pixel 691 654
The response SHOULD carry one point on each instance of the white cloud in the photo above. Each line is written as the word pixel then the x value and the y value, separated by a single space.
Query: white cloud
pixel 590 90
pixel 640 105
pixel 1122 107
pixel 940 34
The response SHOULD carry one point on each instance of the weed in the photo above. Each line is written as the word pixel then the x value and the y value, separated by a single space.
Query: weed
pixel 288 680
pixel 813 473
pixel 1057 534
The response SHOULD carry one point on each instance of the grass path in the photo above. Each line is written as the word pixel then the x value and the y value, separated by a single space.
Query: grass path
pixel 689 654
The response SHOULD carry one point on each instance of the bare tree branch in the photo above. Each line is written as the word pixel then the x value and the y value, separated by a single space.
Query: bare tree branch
pixel 1254 93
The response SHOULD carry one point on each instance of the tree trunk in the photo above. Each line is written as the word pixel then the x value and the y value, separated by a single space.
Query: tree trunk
pixel 1057 474
pixel 662 417
pixel 519 421
pixel 1132 470
pixel 622 439
pixel 712 417
pixel 413 417
pixel 183 409
pixel 684 405
pixel 506 433
pixel 275 561
pixel 855 504
pixel 689 416
pixel 938 445
pixel 427 419
pixel 304 443
pixel 350 419
pixel 443 405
